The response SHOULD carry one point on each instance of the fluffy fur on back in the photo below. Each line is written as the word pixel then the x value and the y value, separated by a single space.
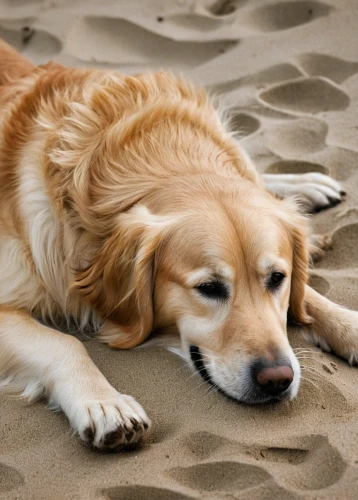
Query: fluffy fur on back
pixel 79 149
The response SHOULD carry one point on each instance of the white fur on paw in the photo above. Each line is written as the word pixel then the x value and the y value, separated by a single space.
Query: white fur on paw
pixel 111 423
pixel 315 191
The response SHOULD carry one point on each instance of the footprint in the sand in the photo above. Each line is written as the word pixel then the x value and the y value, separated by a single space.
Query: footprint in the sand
pixel 284 15
pixel 254 482
pixel 307 95
pixel 10 478
pixel 243 124
pixel 295 167
pixel 344 291
pixel 344 254
pixel 28 7
pixel 275 454
pixel 206 20
pixel 32 42
pixel 342 162
pixel 223 479
pixel 207 13
pixel 304 462
pixel 331 67
pixel 298 137
pixel 274 74
pixel 139 492
pixel 20 3
pixel 225 476
pixel 267 491
pixel 222 8
pixel 203 444
pixel 118 41
pixel 322 467
pixel 313 465
pixel 319 284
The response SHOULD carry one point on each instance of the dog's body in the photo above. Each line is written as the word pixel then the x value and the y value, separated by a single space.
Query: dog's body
pixel 126 206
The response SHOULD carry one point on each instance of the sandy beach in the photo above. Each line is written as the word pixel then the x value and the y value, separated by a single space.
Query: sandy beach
pixel 289 71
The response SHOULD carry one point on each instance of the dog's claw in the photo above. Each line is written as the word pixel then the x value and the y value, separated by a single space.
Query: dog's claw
pixel 111 424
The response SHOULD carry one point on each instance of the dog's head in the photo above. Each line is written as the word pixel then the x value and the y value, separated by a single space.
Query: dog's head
pixel 222 264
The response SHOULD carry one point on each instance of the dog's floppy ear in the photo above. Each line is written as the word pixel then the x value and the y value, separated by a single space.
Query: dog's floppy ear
pixel 296 225
pixel 119 282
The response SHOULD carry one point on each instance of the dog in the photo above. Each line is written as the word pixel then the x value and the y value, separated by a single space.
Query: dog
pixel 126 207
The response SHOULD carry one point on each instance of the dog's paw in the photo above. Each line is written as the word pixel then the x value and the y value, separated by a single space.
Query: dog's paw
pixel 111 423
pixel 315 191
pixel 342 340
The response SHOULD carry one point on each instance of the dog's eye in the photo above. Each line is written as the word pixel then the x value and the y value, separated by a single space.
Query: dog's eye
pixel 213 290
pixel 275 280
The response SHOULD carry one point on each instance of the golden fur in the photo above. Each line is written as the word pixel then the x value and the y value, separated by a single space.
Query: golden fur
pixel 116 192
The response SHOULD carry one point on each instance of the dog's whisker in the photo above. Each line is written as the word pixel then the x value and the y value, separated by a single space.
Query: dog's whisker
pixel 184 365
pixel 197 387
pixel 198 371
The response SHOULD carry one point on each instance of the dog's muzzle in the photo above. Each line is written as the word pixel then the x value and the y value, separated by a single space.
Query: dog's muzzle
pixel 264 382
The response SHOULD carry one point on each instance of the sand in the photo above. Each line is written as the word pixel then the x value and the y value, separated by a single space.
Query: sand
pixel 290 72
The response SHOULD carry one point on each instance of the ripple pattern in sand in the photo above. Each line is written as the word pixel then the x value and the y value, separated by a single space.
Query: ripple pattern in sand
pixel 243 123
pixel 306 466
pixel 120 41
pixel 309 95
pixel 139 492
pixel 299 137
pixel 344 254
pixel 10 478
pixel 220 476
pixel 319 284
pixel 285 15
pixel 295 167
pixel 334 68
pixel 30 41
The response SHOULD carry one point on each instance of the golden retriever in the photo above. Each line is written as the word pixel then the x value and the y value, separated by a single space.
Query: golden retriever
pixel 126 206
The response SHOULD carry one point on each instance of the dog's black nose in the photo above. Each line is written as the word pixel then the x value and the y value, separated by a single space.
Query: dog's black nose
pixel 272 378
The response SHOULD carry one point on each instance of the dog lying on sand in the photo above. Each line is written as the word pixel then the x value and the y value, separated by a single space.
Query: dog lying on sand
pixel 126 207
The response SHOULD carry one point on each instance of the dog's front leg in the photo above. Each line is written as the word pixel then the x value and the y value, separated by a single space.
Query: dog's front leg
pixel 334 327
pixel 41 361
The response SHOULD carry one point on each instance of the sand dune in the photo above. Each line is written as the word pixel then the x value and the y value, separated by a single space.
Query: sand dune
pixel 289 70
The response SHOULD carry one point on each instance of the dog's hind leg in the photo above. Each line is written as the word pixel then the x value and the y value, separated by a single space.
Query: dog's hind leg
pixel 12 64
pixel 39 361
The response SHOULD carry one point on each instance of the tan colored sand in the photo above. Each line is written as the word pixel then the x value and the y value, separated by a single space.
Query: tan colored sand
pixel 290 71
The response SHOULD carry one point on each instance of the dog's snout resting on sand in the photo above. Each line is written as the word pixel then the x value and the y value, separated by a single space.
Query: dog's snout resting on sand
pixel 127 207
pixel 263 382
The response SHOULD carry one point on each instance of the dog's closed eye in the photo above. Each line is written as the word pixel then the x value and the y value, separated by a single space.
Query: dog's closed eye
pixel 275 280
pixel 214 289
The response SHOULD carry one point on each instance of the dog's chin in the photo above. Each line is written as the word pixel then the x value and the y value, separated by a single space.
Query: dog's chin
pixel 250 396
pixel 247 394
pixel 262 399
